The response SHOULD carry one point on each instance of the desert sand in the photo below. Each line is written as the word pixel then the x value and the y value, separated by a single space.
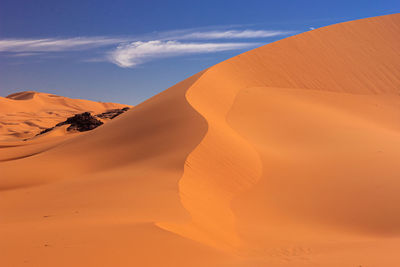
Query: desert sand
pixel 286 155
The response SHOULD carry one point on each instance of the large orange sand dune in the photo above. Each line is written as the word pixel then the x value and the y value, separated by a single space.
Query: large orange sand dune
pixel 286 155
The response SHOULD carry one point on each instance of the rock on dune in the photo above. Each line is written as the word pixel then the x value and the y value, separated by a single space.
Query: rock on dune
pixel 85 121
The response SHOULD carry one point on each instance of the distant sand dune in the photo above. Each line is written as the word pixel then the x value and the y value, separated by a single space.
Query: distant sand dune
pixel 286 155
pixel 25 114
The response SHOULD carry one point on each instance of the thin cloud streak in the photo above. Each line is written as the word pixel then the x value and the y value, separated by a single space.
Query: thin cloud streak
pixel 56 44
pixel 232 34
pixel 135 53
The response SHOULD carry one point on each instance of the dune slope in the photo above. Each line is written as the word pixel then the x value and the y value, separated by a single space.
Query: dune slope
pixel 283 156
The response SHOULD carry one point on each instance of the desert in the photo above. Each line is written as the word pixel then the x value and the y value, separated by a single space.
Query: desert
pixel 285 155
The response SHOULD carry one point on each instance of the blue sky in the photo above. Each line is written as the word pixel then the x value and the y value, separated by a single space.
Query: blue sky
pixel 127 51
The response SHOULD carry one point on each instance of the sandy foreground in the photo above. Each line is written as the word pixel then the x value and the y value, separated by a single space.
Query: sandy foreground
pixel 286 155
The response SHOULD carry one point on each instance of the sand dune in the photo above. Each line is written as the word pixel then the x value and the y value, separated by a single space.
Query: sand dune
pixel 283 156
pixel 24 114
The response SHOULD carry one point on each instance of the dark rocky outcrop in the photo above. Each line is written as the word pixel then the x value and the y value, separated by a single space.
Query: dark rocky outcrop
pixel 81 122
pixel 112 113
pixel 86 122
pixel 44 131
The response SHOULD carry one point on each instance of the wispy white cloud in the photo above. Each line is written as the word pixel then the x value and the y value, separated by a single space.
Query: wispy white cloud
pixel 25 54
pixel 232 34
pixel 56 44
pixel 135 53
pixel 134 50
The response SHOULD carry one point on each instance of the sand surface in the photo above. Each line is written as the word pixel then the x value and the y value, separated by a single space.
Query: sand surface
pixel 286 155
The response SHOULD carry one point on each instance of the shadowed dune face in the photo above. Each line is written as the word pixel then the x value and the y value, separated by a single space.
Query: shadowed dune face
pixel 22 95
pixel 283 156
pixel 151 132
pixel 327 163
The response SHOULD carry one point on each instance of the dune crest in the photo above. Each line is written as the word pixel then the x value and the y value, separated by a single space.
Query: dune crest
pixel 204 188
